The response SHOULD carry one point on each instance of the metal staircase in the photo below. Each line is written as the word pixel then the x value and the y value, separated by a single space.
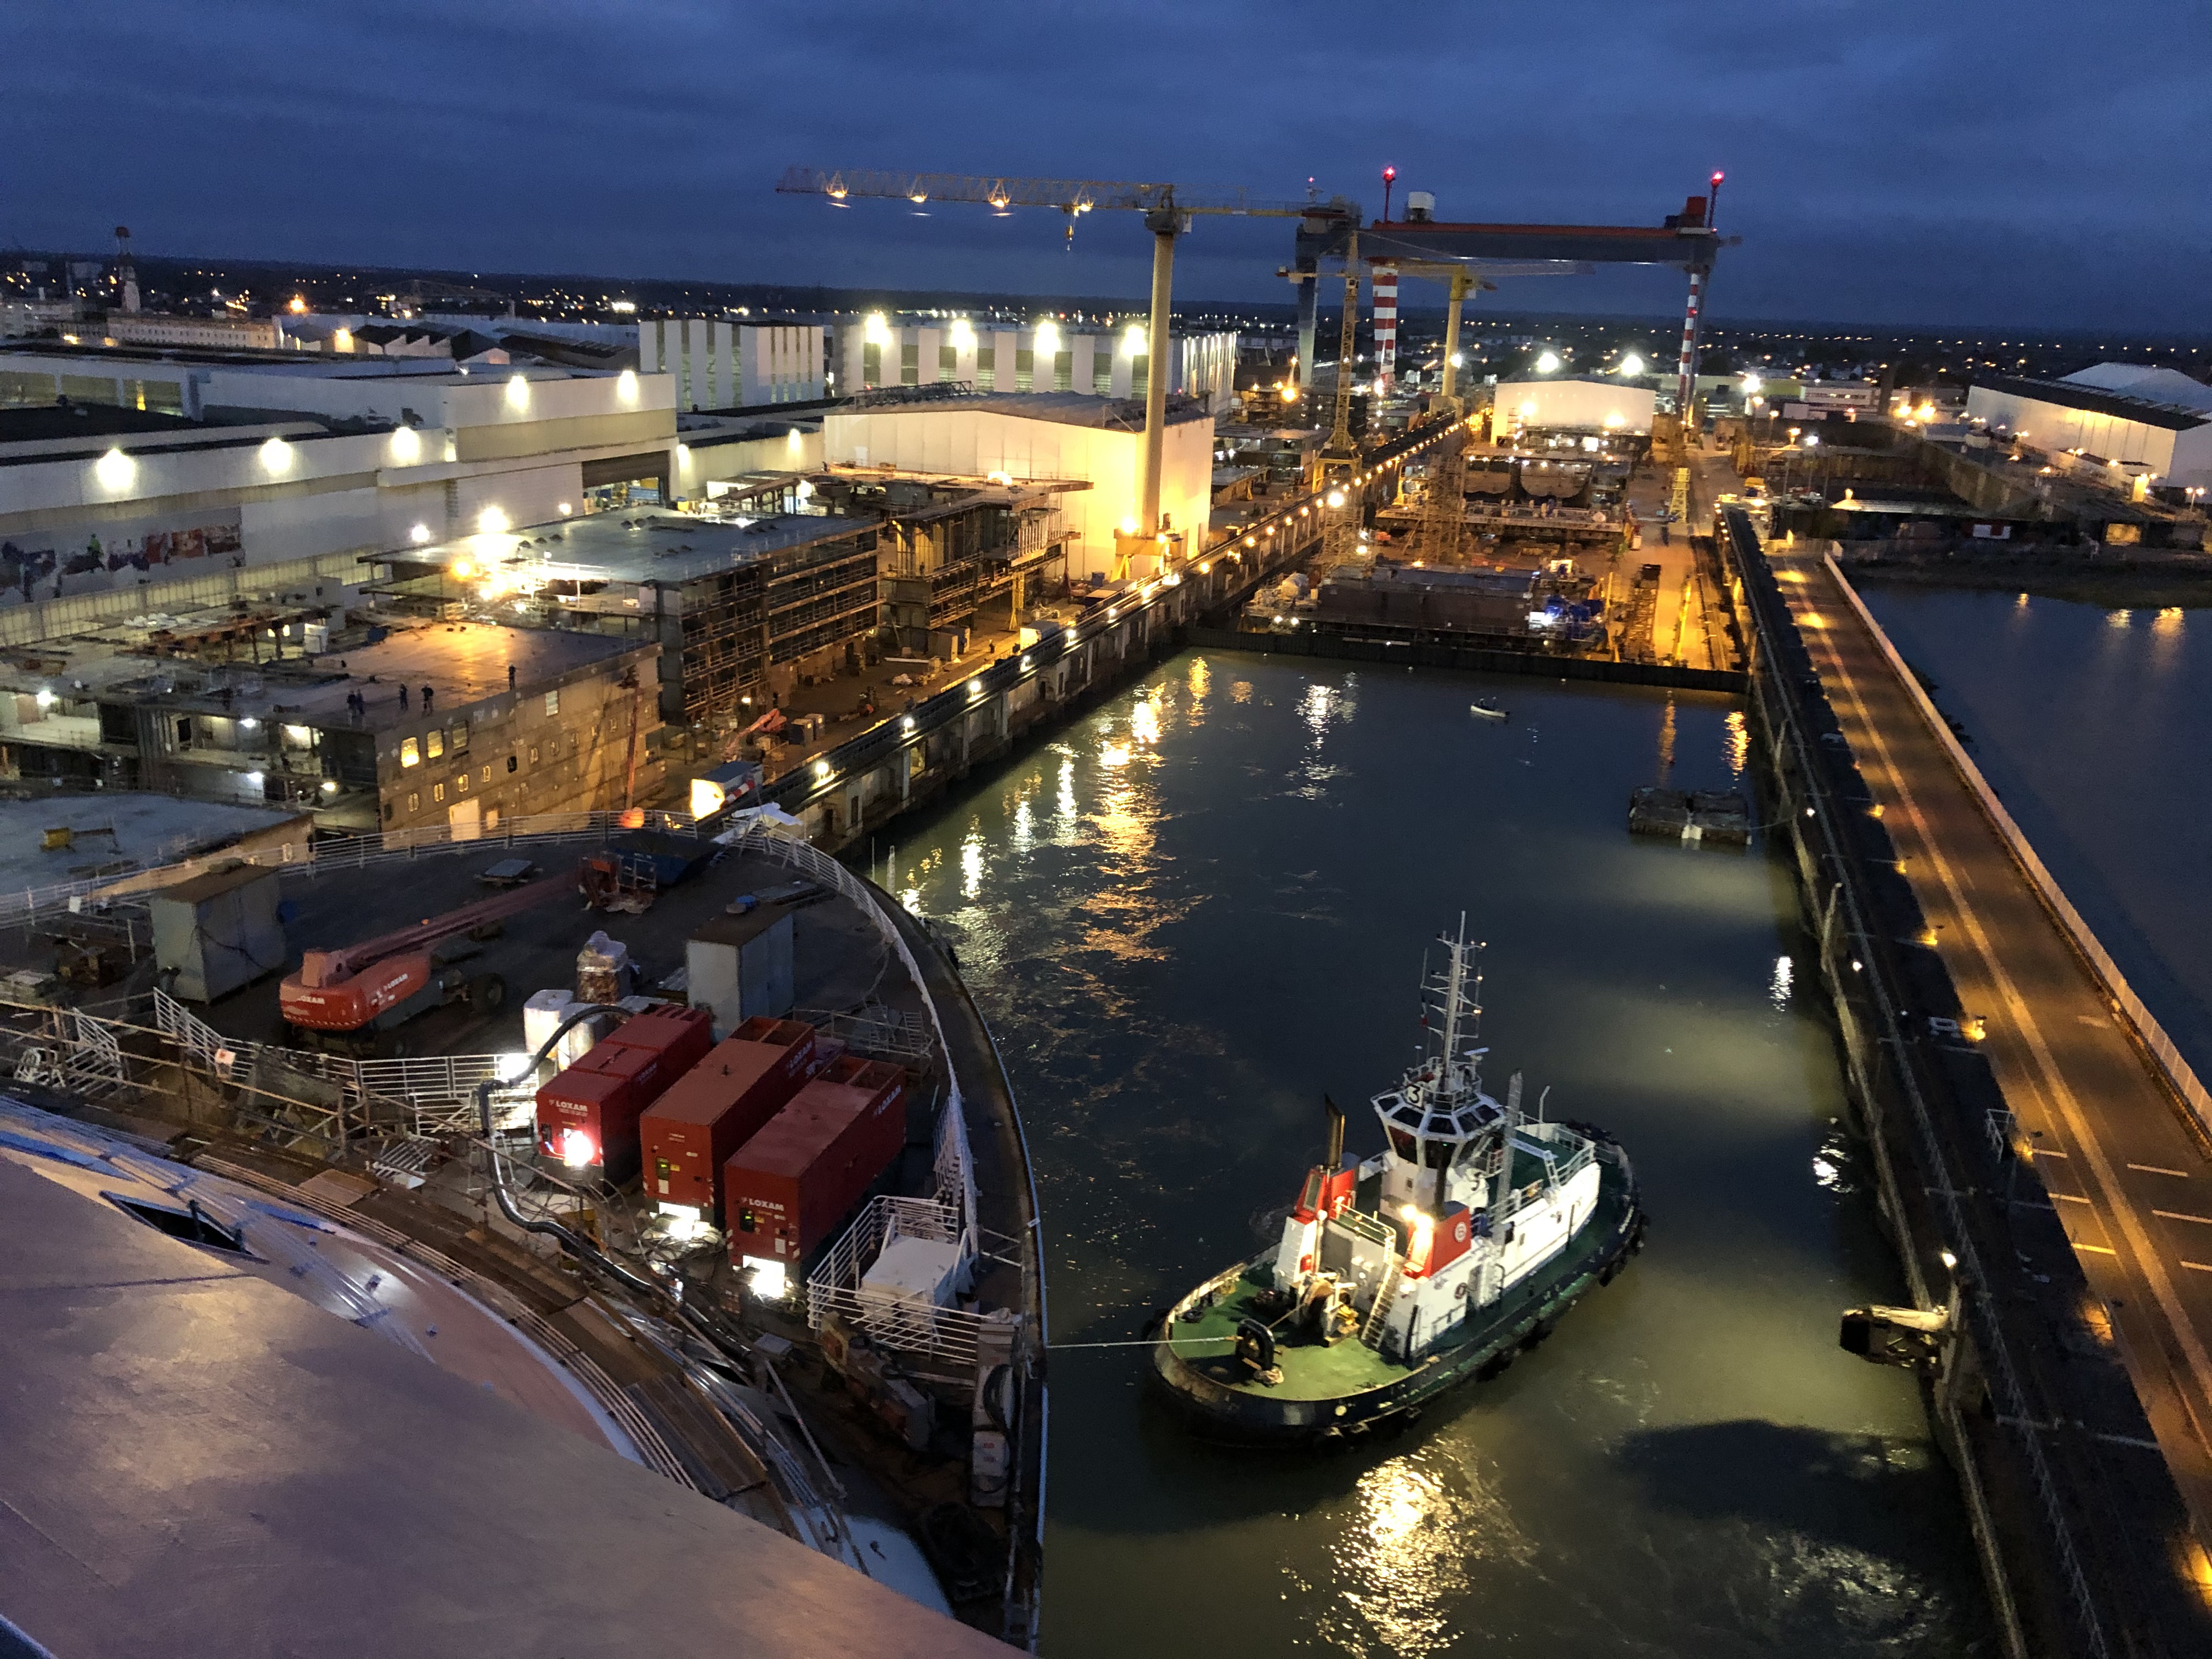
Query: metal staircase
pixel 1379 1311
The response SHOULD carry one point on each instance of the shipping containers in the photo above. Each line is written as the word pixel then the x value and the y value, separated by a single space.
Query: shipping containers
pixel 790 1186
pixel 740 1084
pixel 680 1036
pixel 587 1116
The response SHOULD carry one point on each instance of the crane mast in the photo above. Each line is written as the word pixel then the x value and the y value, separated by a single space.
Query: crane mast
pixel 1167 210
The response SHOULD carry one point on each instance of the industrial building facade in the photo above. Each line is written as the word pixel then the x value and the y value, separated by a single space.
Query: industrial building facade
pixel 295 460
pixel 740 605
pixel 457 725
pixel 722 365
pixel 875 351
pixel 2152 423
pixel 1044 437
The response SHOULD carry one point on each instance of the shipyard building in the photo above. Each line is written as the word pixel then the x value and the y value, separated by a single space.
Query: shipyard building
pixel 877 351
pixel 123 468
pixel 1075 436
pixel 739 606
pixel 456 724
pixel 2142 421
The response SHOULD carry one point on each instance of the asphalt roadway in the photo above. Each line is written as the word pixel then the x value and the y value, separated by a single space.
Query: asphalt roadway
pixel 2122 1159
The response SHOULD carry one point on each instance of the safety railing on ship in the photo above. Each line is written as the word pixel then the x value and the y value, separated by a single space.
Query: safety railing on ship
pixel 908 1324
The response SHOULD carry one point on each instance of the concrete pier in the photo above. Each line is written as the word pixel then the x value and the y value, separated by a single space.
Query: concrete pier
pixel 2068 1396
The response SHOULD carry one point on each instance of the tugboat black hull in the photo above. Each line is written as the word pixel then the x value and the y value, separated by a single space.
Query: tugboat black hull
pixel 1221 1402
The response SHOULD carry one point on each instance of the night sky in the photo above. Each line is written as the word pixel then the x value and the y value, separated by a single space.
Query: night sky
pixel 1888 160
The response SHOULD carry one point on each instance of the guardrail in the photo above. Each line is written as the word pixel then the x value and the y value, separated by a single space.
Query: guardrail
pixel 2179 1073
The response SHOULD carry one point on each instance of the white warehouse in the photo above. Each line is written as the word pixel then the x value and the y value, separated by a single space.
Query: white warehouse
pixel 2152 422
pixel 1043 356
pixel 721 365
pixel 105 485
pixel 1574 403
pixel 1044 436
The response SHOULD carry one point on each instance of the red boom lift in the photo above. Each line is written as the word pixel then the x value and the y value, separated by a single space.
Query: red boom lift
pixel 349 997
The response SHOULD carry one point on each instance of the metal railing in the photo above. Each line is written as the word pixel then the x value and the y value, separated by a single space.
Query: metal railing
pixel 906 1324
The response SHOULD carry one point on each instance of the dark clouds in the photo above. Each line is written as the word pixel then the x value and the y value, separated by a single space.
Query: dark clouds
pixel 1892 161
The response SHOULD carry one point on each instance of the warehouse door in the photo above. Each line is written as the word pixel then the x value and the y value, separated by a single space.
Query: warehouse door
pixel 466 819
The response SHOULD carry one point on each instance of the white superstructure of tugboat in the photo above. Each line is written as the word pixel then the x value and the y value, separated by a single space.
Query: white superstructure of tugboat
pixel 1437 1258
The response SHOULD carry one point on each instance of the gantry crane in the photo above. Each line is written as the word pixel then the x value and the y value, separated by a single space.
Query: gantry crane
pixel 1167 210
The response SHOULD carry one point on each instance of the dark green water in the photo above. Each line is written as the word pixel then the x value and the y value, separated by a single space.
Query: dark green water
pixel 1206 904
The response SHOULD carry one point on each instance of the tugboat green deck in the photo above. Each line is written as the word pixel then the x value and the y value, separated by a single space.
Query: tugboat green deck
pixel 1438 1260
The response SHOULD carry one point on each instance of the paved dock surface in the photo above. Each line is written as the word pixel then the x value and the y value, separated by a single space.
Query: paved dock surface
pixel 2127 1169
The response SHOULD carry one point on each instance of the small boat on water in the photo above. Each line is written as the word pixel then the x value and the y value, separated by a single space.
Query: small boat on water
pixel 1487 711
pixel 1439 1260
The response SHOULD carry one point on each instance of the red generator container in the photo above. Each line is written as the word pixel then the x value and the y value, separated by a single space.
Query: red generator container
pixel 717 1105
pixel 681 1037
pixel 792 1185
pixel 587 1115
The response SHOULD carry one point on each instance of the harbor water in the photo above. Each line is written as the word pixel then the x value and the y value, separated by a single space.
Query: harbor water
pixel 2087 721
pixel 1201 907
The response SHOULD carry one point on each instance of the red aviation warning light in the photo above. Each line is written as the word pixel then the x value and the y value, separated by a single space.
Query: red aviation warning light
pixel 1389 179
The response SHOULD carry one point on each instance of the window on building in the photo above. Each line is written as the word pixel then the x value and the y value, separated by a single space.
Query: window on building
pixel 484 775
pixel 414 800
pixel 948 363
pixel 436 742
pixel 512 763
pixel 461 783
pixel 552 702
pixel 1024 369
pixel 1063 371
pixel 388 811
pixel 986 368
pixel 872 365
pixel 458 738
pixel 437 791
pixel 409 754
pixel 533 754
pixel 909 365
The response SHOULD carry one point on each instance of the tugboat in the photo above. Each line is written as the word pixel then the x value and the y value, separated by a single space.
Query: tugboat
pixel 1440 1259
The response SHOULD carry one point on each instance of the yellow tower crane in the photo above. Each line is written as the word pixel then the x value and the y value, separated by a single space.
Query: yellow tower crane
pixel 1167 210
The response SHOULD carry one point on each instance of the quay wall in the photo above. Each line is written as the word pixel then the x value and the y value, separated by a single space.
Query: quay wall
pixel 2022 1401
pixel 851 792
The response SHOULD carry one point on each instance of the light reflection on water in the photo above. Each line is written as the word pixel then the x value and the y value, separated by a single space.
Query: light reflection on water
pixel 1218 920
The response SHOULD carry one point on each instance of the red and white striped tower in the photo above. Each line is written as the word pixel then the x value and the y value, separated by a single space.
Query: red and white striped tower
pixel 1385 273
pixel 1686 378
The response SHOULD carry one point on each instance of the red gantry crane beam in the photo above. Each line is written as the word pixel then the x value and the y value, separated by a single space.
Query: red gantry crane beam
pixel 1167 210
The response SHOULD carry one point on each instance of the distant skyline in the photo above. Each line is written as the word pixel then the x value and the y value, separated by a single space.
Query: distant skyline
pixel 1974 164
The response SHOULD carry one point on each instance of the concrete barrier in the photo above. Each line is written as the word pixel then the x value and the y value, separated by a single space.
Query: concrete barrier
pixel 2177 1071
